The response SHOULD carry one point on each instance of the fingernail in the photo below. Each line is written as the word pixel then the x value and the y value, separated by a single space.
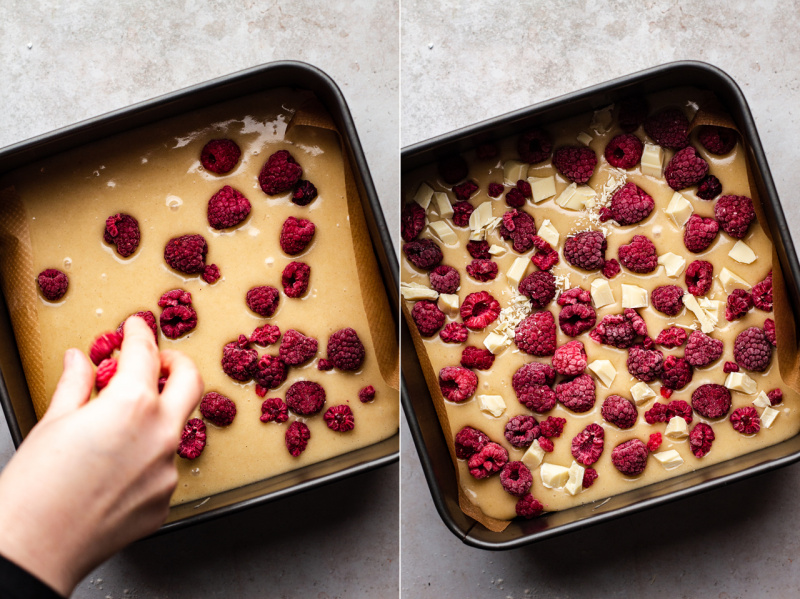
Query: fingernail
pixel 69 357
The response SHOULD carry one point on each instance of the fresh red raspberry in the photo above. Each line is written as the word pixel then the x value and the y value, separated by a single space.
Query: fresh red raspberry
pixel 667 299
pixel 570 359
pixel 280 173
pixel 238 360
pixel 665 393
pixel 122 231
pixel 669 128
pixel 453 169
pixel 514 198
pixel 105 372
pixel 752 350
pixel 630 457
pixel 220 156
pixel 479 310
pixel 464 190
pixel 728 367
pixel 227 208
pixel 177 320
pixel 103 346
pixel 273 409
pixel 489 459
pixel 611 268
pixel 366 394
pixel 630 204
pixel 217 408
pixel 324 364
pixel 211 274
pixel 296 439
pixel 479 249
pixel 632 112
pixel 412 221
pixel 477 357
pixel 265 335
pixel 699 277
pixel 482 270
pixel 528 507
pixel 677 373
pixel 769 330
pixel 461 213
pixel 454 332
pixel 711 400
pixel 296 234
pixel 657 413
pixel 619 411
pixel 699 233
pixel 187 254
pixel 576 163
pixel 639 255
pixel 734 214
pixel 469 441
pixel 428 317
pixel 589 476
pixel 575 295
pixel 445 279
pixel 193 439
pixel 522 430
pixel 577 394
pixel 775 397
pixel 686 168
pixel 148 317
pixel 552 427
pixel 263 300
pixel 738 304
pixel 671 337
pixel 296 348
pixel 586 250
pixel 516 478
pixel 545 257
pixel 540 287
pixel 495 190
pixel 525 188
pixel 535 146
pixel 304 193
pixel 457 383
pixel 53 284
pixel 424 254
pixel 717 140
pixel 762 294
pixel 487 151
pixel 537 398
pixel 624 151
pixel 702 350
pixel 295 279
pixel 305 398
pixel 532 374
pixel 654 442
pixel 745 420
pixel 520 228
pixel 536 334
pixel 700 439
pixel 345 349
pixel 339 418
pixel 645 364
pixel 709 188
pixel 587 445
pixel 620 330
pixel 546 444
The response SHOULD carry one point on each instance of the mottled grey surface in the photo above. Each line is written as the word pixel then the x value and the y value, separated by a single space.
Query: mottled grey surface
pixel 68 61
pixel 463 62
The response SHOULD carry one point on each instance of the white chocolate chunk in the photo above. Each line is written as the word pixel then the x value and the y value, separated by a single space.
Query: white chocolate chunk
pixel 641 392
pixel 669 459
pixel 423 195
pixel 570 199
pixel 731 280
pixel 604 370
pixel 601 120
pixel 634 296
pixel 513 171
pixel 517 271
pixel 707 322
pixel 585 138
pixel 415 291
pixel 443 205
pixel 443 231
pixel 549 233
pixel 496 342
pixel 762 400
pixel 448 303
pixel 677 428
pixel 601 293
pixel 739 381
pixel 575 482
pixel 542 187
pixel 497 250
pixel 553 476
pixel 493 405
pixel 534 456
pixel 768 416
pixel 588 195
pixel 679 209
pixel 741 252
pixel 479 220
pixel 652 160
pixel 673 264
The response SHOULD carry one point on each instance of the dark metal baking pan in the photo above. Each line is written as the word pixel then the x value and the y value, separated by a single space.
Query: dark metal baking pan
pixel 14 395
pixel 416 399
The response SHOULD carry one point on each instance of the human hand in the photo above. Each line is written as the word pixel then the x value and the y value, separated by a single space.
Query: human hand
pixel 93 476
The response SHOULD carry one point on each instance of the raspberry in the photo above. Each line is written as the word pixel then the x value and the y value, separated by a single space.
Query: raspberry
pixel 574 296
pixel 536 334
pixel 305 398
pixel 589 476
pixel 577 394
pixel 769 330
pixel 699 233
pixel 521 431
pixel 586 250
pixel 280 173
pixel 211 274
pixel 495 190
pixel 428 317
pixel 454 332
pixel 730 367
pixel 445 279
pixel 630 457
pixel 304 193
pixel 148 317
pixel 546 444
pixel 323 364
pixel 366 394
pixel 671 337
pixel 632 112
pixel 345 349
pixel 263 300
pixel 103 346
pixel 657 413
pixel 624 151
pixel 53 284
pixel 412 221
pixel 489 459
pixel 630 204
pixel 525 188
pixel 678 407
pixel 469 441
pixel 535 146
pixel 645 364
pixel 453 169
pixel 576 163
pixel 295 279
pixel 665 393
pixel 227 208
pixel 339 418
pixel 296 439
pixel 717 140
pixel 273 409
pixel 685 169
pixel 122 231
pixel 775 397
pixel 105 371
pixel 552 426
pixel 619 411
pixel 699 277
pixel 537 398
pixel 570 359
pixel 296 234
pixel 677 373
pixel 545 257
pixel 296 348
pixel 516 478
pixel 479 249
pixel 738 304
pixel 239 361
pixel 762 294
pixel 177 320
pixel 587 445
pixel 702 350
pixel 193 439
pixel 734 214
pixel 667 299
pixel 745 420
pixel 465 190
pixel 654 442
pixel 700 439
pixel 611 268
pixel 461 213
pixel 520 228
pixel 528 507
pixel 423 254
pixel 479 310
pixel 669 128
pixel 457 383
pixel 752 350
pixel 619 330
pixel 217 408
pixel 540 287
pixel 187 254
pixel 532 374
pixel 514 198
pixel 639 255
pixel 265 335
pixel 477 357
pixel 711 400
pixel 709 188
pixel 482 270
pixel 220 156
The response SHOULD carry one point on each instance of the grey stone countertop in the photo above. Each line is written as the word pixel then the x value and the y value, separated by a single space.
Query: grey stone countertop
pixel 485 59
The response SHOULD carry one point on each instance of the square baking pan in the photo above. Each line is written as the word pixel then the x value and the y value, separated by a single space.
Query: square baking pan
pixel 416 398
pixel 14 395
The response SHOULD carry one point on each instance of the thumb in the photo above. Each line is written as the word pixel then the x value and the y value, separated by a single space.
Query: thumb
pixel 74 387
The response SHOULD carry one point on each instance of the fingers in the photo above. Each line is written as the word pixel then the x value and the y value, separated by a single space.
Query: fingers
pixel 138 358
pixel 74 387
pixel 183 388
